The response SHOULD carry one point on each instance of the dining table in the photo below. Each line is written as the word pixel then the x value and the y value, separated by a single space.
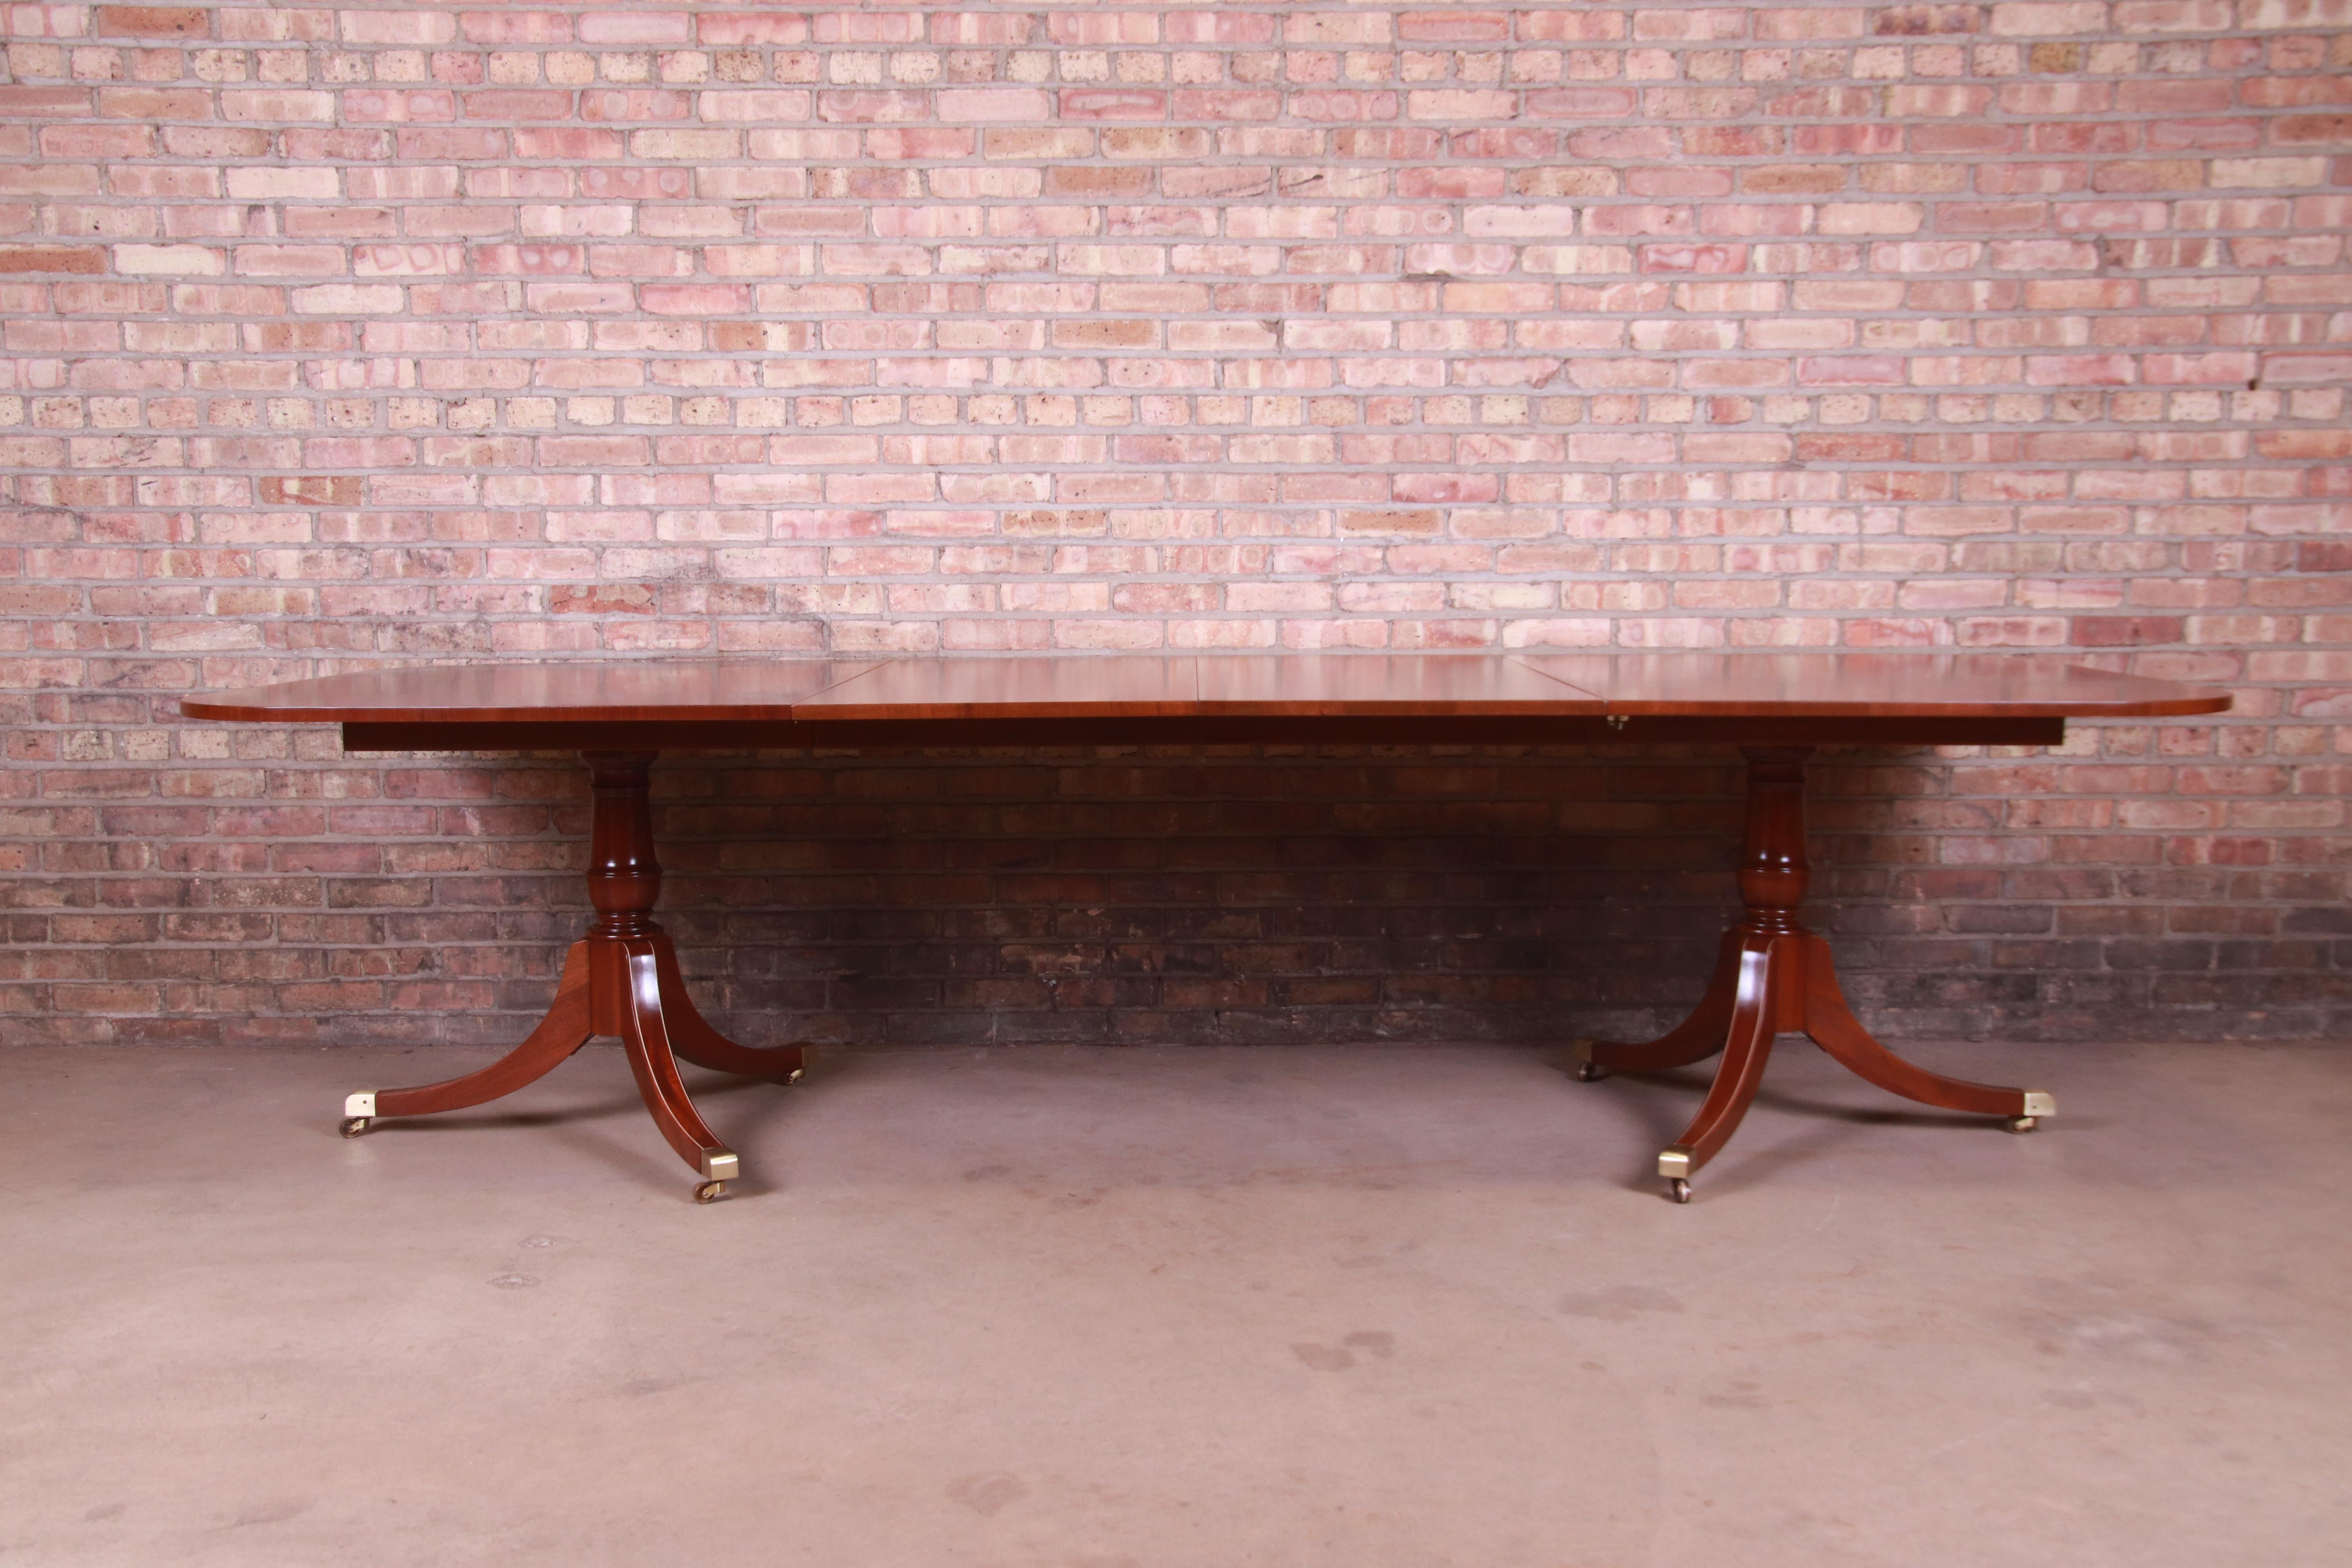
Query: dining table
pixel 1772 975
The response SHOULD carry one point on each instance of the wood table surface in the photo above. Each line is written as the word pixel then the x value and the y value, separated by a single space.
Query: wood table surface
pixel 1809 698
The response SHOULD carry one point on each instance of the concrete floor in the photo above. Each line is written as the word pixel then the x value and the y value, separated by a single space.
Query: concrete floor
pixel 1159 1309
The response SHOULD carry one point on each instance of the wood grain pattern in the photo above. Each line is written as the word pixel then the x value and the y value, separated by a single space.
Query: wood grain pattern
pixel 1020 686
pixel 1338 684
pixel 1028 689
pixel 1854 684
pixel 676 690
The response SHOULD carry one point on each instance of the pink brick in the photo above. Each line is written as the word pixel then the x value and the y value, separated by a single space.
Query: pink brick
pixel 1109 103
pixel 1218 27
pixel 751 28
pixel 515 26
pixel 1023 105
pixel 2172 15
pixel 1454 27
pixel 397 26
pixel 2038 17
pixel 693 298
pixel 1565 25
pixel 632 26
pixel 753 106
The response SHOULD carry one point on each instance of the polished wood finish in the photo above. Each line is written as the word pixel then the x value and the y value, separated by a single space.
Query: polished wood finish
pixel 1507 699
pixel 621 979
pixel 1870 685
pixel 1422 685
pixel 492 695
pixel 1067 688
pixel 1772 975
pixel 563 1031
pixel 1021 686
pixel 1503 729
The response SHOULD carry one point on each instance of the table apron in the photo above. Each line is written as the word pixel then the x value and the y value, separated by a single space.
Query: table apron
pixel 1345 730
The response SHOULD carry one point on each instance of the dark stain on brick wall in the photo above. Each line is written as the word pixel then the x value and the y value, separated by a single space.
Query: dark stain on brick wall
pixel 1197 896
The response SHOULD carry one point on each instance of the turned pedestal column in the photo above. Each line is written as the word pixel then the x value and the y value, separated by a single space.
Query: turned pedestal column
pixel 1773 976
pixel 621 979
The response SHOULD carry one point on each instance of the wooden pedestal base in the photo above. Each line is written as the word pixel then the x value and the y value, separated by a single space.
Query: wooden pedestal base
pixel 1774 977
pixel 621 979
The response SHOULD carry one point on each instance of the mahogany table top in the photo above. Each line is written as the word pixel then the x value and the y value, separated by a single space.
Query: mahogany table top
pixel 1861 696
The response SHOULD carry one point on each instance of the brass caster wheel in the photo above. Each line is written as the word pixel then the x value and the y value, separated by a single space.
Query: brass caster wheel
pixel 1587 1069
pixel 2022 1123
pixel 354 1125
pixel 1679 1190
pixel 792 1079
pixel 709 1192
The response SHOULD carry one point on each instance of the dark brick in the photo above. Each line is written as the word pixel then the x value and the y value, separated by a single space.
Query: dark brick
pixel 52 258
pixel 155 22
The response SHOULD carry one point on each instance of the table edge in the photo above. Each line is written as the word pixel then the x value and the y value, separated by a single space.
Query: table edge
pixel 236 705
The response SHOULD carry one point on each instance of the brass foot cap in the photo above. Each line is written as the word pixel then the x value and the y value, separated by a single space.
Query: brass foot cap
pixel 2039 1104
pixel 360 1104
pixel 1675 1164
pixel 720 1165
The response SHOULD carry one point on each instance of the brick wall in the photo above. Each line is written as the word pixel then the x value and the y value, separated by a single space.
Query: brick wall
pixel 406 332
